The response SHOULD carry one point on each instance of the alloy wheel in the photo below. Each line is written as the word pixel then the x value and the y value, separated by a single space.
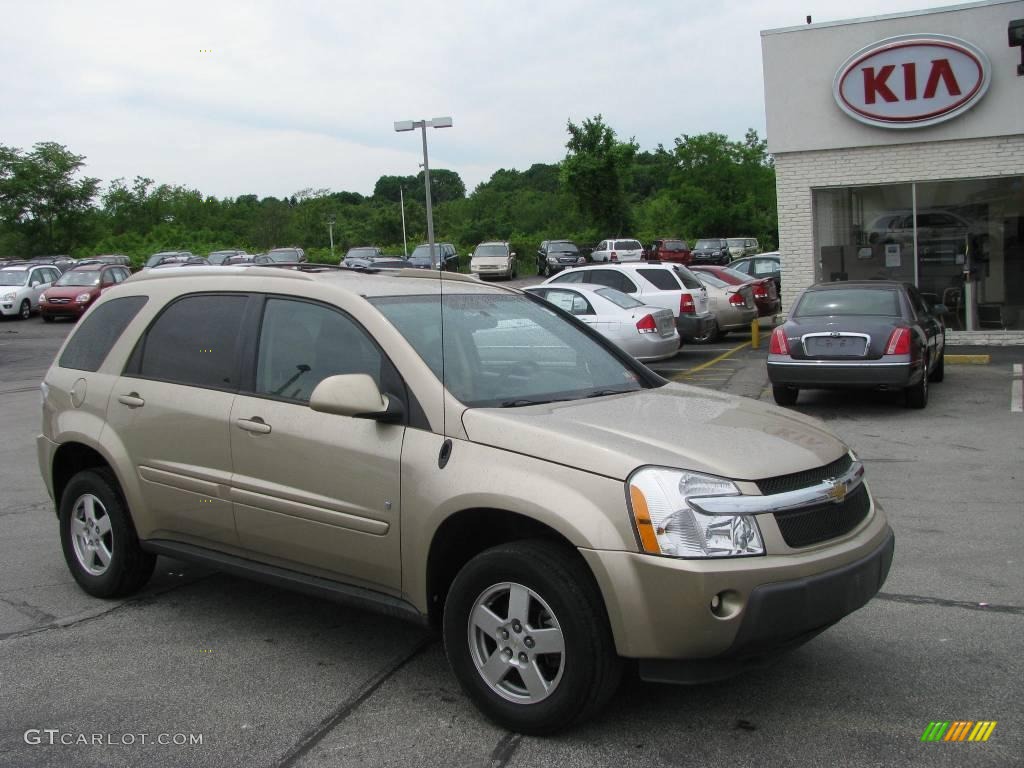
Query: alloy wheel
pixel 91 536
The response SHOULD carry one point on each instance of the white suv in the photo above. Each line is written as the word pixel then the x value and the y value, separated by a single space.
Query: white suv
pixel 618 250
pixel 661 285
pixel 21 286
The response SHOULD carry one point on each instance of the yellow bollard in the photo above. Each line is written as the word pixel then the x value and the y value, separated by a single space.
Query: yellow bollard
pixel 755 333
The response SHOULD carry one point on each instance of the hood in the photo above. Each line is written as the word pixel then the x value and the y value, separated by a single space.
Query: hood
pixel 71 291
pixel 494 261
pixel 674 425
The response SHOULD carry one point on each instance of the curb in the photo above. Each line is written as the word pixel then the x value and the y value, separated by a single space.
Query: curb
pixel 968 359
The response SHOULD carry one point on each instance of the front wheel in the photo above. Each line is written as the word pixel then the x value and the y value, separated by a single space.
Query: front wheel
pixel 25 311
pixel 99 541
pixel 48 319
pixel 527 636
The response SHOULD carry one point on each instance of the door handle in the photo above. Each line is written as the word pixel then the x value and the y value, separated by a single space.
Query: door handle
pixel 255 425
pixel 132 401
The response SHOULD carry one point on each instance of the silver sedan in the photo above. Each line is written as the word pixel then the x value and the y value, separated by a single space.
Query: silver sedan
pixel 645 332
pixel 732 305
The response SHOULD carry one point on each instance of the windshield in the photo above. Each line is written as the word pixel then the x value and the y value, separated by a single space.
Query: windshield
pixel 506 350
pixel 219 257
pixel 708 244
pixel 13 277
pixel 287 255
pixel 75 277
pixel 423 252
pixel 709 279
pixel 490 250
pixel 849 301
pixel 737 243
pixel 562 247
pixel 673 245
pixel 361 253
pixel 156 258
pixel 618 298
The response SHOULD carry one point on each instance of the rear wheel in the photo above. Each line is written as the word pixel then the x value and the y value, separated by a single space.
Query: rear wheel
pixel 526 634
pixel 785 395
pixel 939 373
pixel 99 541
pixel 712 334
pixel 917 394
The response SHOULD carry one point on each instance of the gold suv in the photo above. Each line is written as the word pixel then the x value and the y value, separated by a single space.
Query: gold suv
pixel 459 454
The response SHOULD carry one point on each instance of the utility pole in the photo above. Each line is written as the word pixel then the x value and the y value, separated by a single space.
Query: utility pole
pixel 330 227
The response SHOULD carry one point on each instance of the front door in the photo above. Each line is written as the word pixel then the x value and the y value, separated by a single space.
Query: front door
pixel 313 491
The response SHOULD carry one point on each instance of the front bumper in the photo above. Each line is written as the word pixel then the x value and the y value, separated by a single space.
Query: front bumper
pixel 660 607
pixel 695 326
pixel 73 309
pixel 829 374
pixel 10 308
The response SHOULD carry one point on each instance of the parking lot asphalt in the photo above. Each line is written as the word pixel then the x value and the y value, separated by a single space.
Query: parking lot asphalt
pixel 270 678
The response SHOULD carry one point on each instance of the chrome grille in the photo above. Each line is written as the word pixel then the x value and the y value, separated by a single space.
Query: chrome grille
pixel 810 525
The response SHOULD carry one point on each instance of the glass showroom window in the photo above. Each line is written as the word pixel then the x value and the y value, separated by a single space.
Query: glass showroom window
pixel 964 246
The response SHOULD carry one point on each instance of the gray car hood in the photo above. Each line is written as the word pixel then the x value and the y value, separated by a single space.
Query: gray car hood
pixel 674 425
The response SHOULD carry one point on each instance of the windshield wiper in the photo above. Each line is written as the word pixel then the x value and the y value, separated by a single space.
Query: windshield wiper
pixel 603 392
pixel 526 401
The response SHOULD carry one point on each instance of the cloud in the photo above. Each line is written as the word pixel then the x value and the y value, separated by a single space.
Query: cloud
pixel 272 97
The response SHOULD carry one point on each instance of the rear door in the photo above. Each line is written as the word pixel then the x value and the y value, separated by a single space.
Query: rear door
pixel 314 491
pixel 170 409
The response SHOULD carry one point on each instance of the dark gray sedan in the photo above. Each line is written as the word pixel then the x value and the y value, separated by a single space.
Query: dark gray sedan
pixel 873 335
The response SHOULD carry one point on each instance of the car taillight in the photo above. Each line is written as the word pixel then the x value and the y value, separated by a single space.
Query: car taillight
pixel 760 291
pixel 737 300
pixel 646 324
pixel 686 305
pixel 899 342
pixel 614 256
pixel 778 344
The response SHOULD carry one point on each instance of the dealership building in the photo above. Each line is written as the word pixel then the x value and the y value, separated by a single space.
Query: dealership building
pixel 899 151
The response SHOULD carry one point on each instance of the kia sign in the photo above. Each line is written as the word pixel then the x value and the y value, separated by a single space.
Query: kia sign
pixel 912 81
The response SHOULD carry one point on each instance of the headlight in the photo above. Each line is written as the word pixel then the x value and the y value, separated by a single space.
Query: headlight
pixel 42 298
pixel 669 525
pixel 83 298
pixel 552 259
pixel 9 296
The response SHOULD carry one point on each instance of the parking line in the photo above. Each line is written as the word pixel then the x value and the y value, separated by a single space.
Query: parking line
pixel 690 371
pixel 1017 389
pixel 969 359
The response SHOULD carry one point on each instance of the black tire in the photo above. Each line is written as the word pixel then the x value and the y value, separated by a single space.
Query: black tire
pixel 540 268
pixel 785 395
pixel 939 372
pixel 515 270
pixel 129 568
pixel 25 310
pixel 590 670
pixel 48 319
pixel 917 394
pixel 547 271
pixel 711 336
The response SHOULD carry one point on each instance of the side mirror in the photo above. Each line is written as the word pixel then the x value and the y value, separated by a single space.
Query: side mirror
pixel 513 254
pixel 354 395
pixel 939 310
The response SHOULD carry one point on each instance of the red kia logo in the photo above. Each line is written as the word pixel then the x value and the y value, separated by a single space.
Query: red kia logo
pixel 912 80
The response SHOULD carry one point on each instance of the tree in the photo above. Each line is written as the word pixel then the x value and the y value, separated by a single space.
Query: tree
pixel 42 200
pixel 594 170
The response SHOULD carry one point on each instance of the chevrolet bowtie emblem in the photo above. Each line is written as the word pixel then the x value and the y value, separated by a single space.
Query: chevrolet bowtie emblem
pixel 838 491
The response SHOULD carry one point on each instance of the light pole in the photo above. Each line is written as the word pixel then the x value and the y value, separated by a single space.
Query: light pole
pixel 409 125
pixel 405 240
pixel 330 228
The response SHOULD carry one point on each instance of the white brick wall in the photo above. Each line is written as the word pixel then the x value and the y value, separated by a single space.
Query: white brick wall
pixel 798 172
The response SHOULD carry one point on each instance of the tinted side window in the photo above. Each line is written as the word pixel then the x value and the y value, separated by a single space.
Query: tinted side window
pixel 302 344
pixel 662 279
pixel 195 341
pixel 688 279
pixel 573 276
pixel 610 279
pixel 741 266
pixel 97 333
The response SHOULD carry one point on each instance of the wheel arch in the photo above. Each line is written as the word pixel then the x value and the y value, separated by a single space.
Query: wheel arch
pixel 464 534
pixel 74 457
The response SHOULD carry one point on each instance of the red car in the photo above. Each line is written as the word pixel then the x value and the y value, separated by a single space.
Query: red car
pixel 669 249
pixel 78 288
pixel 766 295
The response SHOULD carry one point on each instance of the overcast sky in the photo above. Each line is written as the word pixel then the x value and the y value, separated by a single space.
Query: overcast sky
pixel 274 97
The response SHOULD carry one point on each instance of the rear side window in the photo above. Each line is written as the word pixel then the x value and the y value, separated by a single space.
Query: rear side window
pixel 610 279
pixel 195 341
pixel 97 333
pixel 662 279
pixel 687 278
